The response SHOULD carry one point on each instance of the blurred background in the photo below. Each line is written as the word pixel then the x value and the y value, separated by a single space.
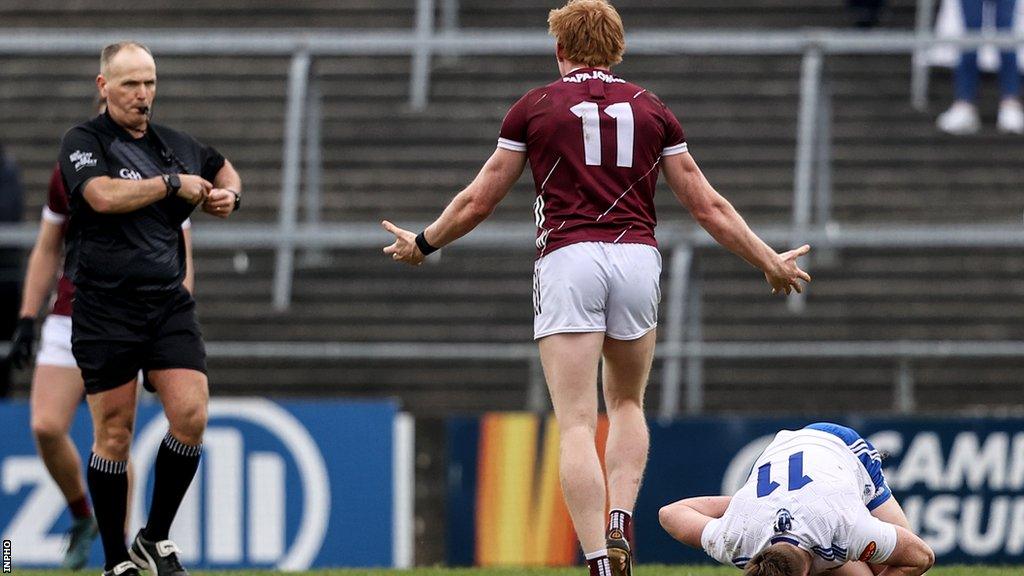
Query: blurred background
pixel 414 397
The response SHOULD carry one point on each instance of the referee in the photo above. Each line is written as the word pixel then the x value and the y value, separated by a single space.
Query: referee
pixel 131 184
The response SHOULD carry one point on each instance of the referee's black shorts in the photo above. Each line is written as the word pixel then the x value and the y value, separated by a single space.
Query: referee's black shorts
pixel 116 334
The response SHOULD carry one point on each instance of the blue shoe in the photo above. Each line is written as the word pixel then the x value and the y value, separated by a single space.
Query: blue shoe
pixel 80 538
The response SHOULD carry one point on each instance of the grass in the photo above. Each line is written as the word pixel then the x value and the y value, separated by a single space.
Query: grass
pixel 649 570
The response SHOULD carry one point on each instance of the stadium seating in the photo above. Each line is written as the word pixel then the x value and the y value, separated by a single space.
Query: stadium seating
pixel 383 160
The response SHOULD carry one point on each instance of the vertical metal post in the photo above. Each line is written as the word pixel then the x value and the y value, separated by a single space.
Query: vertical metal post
pixel 679 278
pixel 823 144
pixel 314 169
pixel 695 335
pixel 419 88
pixel 449 16
pixel 823 255
pixel 919 72
pixel 810 89
pixel 537 393
pixel 298 77
pixel 905 403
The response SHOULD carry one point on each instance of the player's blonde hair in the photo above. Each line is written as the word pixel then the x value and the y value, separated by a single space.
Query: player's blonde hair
pixel 777 560
pixel 589 31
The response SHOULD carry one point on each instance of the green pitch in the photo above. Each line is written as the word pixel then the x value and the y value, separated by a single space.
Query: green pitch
pixel 579 571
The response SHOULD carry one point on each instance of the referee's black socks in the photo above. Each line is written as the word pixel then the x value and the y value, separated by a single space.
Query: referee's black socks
pixel 108 485
pixel 176 465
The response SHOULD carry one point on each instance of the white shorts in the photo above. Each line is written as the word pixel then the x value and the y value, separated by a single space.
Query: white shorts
pixel 55 343
pixel 597 287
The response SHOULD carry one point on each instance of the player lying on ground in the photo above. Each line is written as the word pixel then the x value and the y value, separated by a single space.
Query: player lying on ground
pixel 816 501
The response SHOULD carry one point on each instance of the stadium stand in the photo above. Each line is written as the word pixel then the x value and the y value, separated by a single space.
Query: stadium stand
pixel 383 160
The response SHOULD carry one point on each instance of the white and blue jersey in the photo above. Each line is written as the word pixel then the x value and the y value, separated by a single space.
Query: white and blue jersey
pixel 812 488
pixel 867 455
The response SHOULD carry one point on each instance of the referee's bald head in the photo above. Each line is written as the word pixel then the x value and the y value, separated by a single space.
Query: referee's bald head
pixel 111 50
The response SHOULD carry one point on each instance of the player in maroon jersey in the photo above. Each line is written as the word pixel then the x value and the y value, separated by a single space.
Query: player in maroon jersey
pixel 57 385
pixel 596 143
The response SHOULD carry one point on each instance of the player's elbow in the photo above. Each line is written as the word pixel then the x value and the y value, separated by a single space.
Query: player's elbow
pixel 665 517
pixel 920 560
pixel 709 213
pixel 925 558
pixel 476 210
pixel 671 518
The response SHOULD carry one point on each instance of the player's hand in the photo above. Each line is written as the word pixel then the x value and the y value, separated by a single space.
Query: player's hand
pixel 219 202
pixel 785 275
pixel 22 342
pixel 404 248
pixel 194 189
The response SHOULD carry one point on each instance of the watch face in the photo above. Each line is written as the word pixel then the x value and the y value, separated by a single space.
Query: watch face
pixel 174 181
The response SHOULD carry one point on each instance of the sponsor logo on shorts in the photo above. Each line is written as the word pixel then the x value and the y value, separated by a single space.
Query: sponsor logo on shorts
pixel 868 552
pixel 82 159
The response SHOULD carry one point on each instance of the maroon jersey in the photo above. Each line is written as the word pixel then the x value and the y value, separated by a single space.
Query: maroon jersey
pixel 594 143
pixel 57 211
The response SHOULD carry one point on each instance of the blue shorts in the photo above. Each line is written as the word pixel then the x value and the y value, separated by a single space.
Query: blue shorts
pixel 864 452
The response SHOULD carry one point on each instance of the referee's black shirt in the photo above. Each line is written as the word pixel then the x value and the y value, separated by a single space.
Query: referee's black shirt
pixel 141 250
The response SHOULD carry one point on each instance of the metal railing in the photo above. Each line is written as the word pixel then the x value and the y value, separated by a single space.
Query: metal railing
pixel 812 165
pixel 810 220
pixel 694 353
pixel 683 346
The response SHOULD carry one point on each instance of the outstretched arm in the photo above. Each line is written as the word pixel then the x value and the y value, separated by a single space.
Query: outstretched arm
pixel 716 215
pixel 685 520
pixel 466 211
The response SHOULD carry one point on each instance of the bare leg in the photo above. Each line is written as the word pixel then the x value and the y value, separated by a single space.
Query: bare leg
pixel 113 421
pixel 56 392
pixel 627 364
pixel 184 394
pixel 570 367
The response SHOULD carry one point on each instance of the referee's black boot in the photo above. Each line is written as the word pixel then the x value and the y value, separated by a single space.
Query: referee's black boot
pixel 160 558
pixel 125 568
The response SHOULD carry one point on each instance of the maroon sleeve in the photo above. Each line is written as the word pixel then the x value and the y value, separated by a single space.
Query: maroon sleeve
pixel 514 128
pixel 57 195
pixel 675 139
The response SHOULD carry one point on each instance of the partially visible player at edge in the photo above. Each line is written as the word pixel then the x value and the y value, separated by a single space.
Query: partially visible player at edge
pixel 57 385
pixel 816 502
pixel 595 143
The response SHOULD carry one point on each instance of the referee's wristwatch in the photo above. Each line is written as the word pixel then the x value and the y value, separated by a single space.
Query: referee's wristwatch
pixel 238 199
pixel 173 184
